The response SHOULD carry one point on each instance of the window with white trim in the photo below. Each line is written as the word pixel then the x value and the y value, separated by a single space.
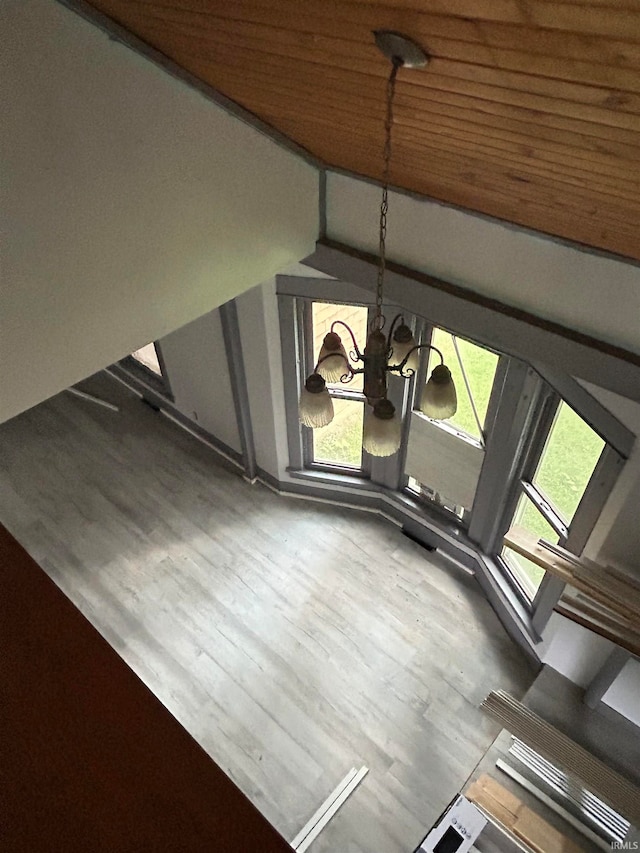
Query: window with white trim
pixel 339 444
pixel 552 489
pixel 473 369
pixel 444 458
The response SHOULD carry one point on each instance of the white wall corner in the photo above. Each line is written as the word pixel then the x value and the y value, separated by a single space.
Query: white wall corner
pixel 274 355
pixel 260 337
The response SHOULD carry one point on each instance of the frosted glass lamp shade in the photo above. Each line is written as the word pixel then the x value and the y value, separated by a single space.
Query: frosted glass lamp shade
pixel 316 405
pixel 402 343
pixel 382 429
pixel 439 398
pixel 333 362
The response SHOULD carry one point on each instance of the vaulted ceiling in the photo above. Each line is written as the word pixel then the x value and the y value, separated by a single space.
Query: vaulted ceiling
pixel 529 110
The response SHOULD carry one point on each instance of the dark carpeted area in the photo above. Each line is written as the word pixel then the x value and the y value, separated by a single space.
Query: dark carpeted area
pixel 91 760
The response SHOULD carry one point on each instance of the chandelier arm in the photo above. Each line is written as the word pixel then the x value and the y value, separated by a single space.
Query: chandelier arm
pixel 401 371
pixel 392 329
pixel 353 337
pixel 399 368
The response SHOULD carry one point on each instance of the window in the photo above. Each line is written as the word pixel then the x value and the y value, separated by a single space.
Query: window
pixel 570 454
pixel 475 364
pixel 444 458
pixel 146 366
pixel 340 443
pixel 527 575
pixel 549 497
pixel 148 357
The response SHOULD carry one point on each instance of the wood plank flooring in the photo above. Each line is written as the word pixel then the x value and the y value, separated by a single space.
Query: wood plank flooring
pixel 292 639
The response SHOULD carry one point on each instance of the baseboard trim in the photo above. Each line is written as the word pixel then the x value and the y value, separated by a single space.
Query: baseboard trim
pixel 167 408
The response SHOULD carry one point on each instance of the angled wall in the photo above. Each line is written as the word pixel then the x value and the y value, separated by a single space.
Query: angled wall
pixel 133 204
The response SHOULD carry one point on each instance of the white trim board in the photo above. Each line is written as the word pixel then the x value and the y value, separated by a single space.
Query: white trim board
pixel 328 809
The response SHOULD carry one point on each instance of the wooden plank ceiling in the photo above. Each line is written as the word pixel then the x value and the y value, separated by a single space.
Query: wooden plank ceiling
pixel 529 110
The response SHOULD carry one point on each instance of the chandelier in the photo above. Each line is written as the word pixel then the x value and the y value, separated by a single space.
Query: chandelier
pixel 395 353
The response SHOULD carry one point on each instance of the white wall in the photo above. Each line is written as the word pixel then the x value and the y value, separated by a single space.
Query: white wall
pixel 579 289
pixel 621 548
pixel 572 650
pixel 133 205
pixel 196 362
pixel 624 694
pixel 259 334
pixel 579 654
pixel 616 537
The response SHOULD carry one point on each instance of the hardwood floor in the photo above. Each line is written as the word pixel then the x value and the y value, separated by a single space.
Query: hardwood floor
pixel 292 639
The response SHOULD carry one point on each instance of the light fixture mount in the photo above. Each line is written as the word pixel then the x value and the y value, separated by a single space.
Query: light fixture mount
pixel 400 50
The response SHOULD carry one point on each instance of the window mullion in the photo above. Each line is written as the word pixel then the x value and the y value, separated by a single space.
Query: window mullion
pixel 546 599
pixel 546 509
pixel 499 484
pixel 307 357
pixel 594 499
pixel 547 411
pixel 499 378
pixel 306 318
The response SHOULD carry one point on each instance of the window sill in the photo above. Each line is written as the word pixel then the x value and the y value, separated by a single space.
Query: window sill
pixel 443 425
pixel 332 478
pixel 432 506
pixel 520 615
pixel 429 509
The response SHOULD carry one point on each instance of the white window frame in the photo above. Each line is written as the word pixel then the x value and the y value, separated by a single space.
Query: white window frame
pixel 460 514
pixel 308 358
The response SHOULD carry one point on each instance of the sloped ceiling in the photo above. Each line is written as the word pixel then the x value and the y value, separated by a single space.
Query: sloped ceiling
pixel 529 110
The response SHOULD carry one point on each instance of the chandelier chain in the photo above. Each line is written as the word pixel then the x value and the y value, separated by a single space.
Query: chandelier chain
pixel 384 205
